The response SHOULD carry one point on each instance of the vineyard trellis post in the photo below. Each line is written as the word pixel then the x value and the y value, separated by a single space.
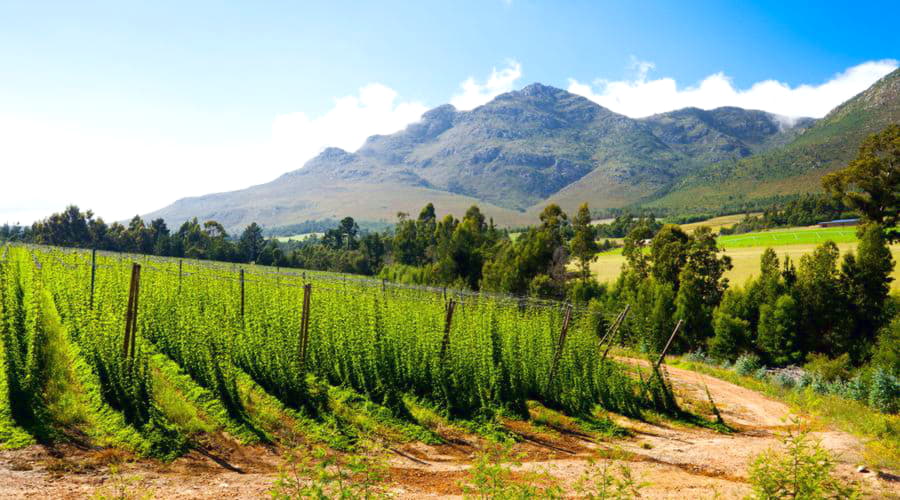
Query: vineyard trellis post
pixel 614 329
pixel 180 262
pixel 304 324
pixel 448 319
pixel 562 341
pixel 93 276
pixel 662 355
pixel 242 294
pixel 131 311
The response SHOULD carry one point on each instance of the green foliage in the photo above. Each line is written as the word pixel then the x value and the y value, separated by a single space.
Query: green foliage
pixel 803 470
pixel 871 182
pixel 777 330
pixel 884 394
pixel 583 244
pixel 731 335
pixel 828 369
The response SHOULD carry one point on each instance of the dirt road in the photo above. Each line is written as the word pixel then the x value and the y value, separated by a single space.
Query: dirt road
pixel 677 461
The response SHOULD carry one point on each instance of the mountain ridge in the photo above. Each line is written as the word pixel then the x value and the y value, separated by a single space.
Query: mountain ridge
pixel 521 150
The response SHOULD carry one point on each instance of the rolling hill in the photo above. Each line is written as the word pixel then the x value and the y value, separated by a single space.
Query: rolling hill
pixel 526 148
pixel 799 165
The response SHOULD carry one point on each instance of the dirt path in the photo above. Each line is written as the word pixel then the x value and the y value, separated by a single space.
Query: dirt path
pixel 678 461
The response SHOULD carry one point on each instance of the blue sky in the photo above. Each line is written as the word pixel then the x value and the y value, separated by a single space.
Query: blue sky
pixel 192 97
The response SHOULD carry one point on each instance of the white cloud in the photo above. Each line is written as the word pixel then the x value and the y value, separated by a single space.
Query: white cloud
pixel 298 137
pixel 475 94
pixel 54 163
pixel 118 173
pixel 643 97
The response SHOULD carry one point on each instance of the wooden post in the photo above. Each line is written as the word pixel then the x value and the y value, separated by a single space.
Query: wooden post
pixel 131 311
pixel 180 262
pixel 304 325
pixel 448 319
pixel 662 355
pixel 383 284
pixel 615 330
pixel 93 275
pixel 242 293
pixel 612 327
pixel 562 340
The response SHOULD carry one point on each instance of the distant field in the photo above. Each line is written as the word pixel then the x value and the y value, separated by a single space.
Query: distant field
pixel 745 251
pixel 790 236
pixel 716 222
pixel 298 237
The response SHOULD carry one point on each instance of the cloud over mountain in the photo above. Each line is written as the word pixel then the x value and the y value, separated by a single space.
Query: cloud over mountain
pixel 643 96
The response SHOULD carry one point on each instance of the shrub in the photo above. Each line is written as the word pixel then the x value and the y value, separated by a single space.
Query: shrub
pixel 747 364
pixel 784 380
pixel 698 356
pixel 803 470
pixel 857 389
pixel 761 373
pixel 827 369
pixel 884 394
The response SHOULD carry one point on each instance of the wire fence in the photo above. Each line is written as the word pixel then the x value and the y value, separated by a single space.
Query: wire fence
pixel 254 273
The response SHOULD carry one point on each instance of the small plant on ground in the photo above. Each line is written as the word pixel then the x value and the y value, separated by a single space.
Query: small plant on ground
pixel 491 476
pixel 803 470
pixel 121 487
pixel 319 474
pixel 599 482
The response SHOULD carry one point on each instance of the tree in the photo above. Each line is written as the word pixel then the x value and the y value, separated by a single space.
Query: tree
pixel 704 260
pixel 776 334
pixel 825 322
pixel 584 244
pixel 252 242
pixel 635 242
pixel 349 229
pixel 866 283
pixel 730 335
pixel 871 182
pixel 669 253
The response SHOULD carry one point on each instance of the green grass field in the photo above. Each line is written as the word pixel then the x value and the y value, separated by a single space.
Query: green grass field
pixel 791 236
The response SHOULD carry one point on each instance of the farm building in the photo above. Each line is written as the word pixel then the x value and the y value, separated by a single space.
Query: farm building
pixel 840 223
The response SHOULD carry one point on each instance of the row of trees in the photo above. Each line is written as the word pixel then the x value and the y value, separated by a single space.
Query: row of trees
pixel 208 240
pixel 806 210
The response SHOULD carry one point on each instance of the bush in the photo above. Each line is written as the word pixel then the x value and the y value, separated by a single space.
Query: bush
pixel 857 389
pixel 829 370
pixel 784 380
pixel 761 373
pixel 583 291
pixel 803 470
pixel 747 364
pixel 884 394
pixel 698 356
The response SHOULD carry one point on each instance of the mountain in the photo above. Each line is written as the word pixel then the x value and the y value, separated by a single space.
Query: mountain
pixel 798 165
pixel 510 156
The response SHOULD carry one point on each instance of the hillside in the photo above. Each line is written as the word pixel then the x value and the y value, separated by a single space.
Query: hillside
pixel 799 165
pixel 511 156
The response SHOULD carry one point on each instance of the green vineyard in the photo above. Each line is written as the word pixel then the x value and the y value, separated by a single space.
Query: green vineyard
pixel 150 355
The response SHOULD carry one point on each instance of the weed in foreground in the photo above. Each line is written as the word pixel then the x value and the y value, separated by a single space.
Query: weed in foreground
pixel 121 487
pixel 491 476
pixel 803 470
pixel 319 474
pixel 599 482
